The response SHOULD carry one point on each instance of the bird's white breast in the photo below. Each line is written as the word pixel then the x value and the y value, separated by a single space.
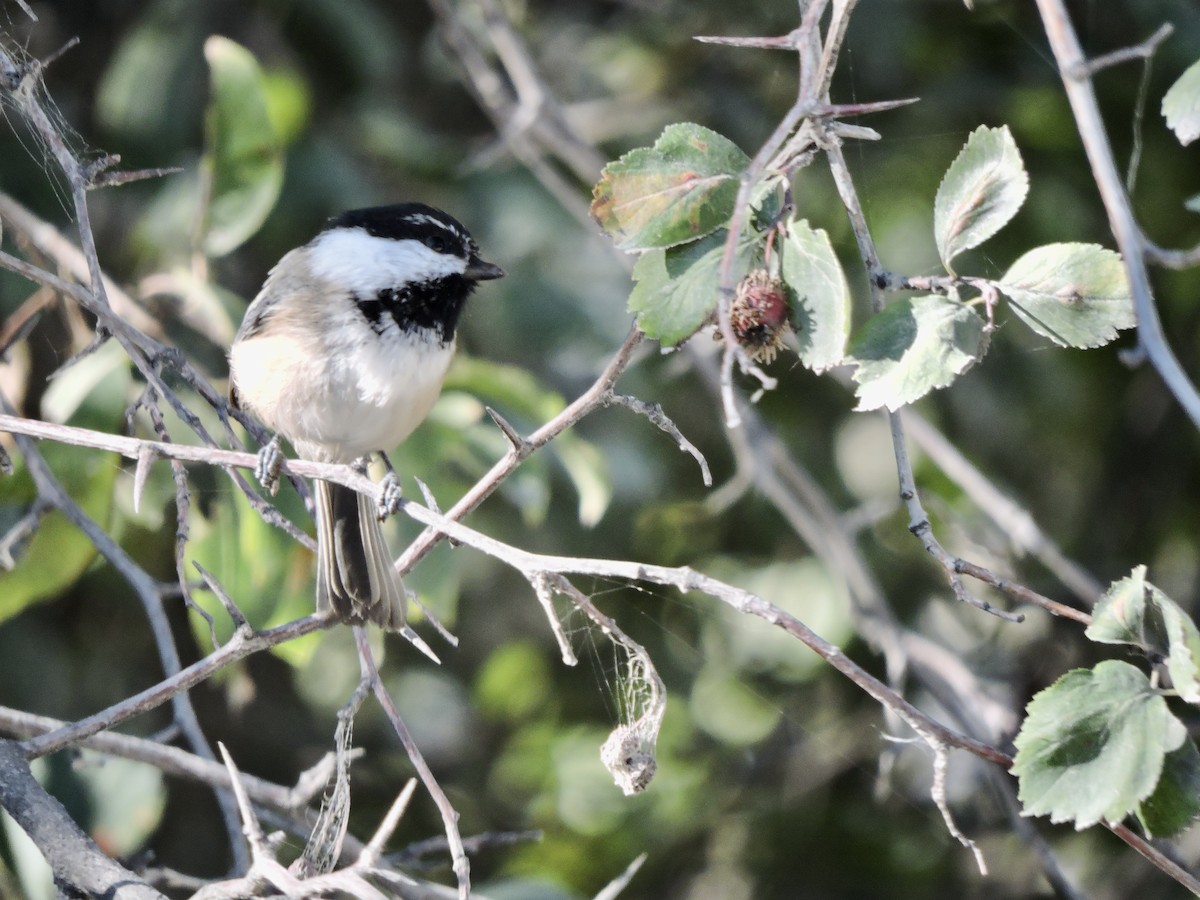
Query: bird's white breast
pixel 321 376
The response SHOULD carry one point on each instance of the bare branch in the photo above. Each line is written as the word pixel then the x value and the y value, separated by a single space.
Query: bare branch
pixel 1080 94
pixel 1144 50
pixel 654 412
pixel 80 867
pixel 613 889
pixel 458 855
pixel 241 645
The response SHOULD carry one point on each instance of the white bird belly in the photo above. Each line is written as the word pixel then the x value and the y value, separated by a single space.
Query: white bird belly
pixel 358 400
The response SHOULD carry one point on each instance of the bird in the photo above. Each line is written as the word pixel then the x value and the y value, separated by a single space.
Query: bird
pixel 343 352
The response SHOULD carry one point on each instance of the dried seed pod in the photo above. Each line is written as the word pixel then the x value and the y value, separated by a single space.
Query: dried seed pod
pixel 760 315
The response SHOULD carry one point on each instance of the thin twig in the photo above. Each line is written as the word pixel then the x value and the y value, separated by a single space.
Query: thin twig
pixel 458 855
pixel 1015 521
pixel 1144 50
pixel 1082 97
pixel 243 643
pixel 613 889
pixel 594 397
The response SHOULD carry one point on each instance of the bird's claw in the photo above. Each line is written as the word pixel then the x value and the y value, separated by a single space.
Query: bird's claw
pixel 268 464
pixel 390 496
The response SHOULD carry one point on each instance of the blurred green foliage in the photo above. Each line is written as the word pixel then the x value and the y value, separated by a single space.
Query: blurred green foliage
pixel 767 759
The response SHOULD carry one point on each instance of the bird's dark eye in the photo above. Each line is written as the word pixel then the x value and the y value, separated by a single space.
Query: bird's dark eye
pixel 436 243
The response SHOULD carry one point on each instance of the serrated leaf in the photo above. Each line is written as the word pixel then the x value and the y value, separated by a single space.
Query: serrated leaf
pixel 680 189
pixel 1134 611
pixel 1175 803
pixel 980 192
pixel 912 347
pixel 1092 745
pixel 1075 294
pixel 821 309
pixel 1181 105
pixel 676 289
pixel 767 200
pixel 243 154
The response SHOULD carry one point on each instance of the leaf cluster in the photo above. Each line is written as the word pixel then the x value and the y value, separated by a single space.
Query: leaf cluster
pixel 672 204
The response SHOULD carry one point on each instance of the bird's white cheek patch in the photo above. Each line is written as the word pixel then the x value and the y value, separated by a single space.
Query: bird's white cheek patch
pixel 363 264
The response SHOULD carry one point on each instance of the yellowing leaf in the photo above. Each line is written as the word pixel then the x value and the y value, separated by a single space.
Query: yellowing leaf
pixel 680 189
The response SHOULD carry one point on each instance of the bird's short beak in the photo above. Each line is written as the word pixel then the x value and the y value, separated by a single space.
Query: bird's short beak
pixel 478 270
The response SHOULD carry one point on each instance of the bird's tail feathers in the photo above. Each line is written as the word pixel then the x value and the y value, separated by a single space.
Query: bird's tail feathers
pixel 355 575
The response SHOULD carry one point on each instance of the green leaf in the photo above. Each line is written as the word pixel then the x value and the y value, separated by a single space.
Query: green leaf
pixel 92 393
pixel 981 191
pixel 125 798
pixel 1075 294
pixel 150 70
pixel 243 155
pixel 57 553
pixel 1134 611
pixel 729 710
pixel 912 347
pixel 514 682
pixel 680 189
pixel 1175 803
pixel 1181 105
pixel 812 272
pixel 268 575
pixel 676 289
pixel 1092 745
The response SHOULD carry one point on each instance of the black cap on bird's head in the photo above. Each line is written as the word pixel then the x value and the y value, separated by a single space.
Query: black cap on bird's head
pixel 437 230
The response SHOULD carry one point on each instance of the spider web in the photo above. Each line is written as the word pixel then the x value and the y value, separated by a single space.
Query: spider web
pixel 35 119
pixel 637 691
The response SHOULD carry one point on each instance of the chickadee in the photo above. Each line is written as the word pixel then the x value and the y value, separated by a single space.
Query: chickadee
pixel 343 352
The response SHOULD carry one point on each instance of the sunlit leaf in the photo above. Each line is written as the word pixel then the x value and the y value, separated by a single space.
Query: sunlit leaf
pixel 680 189
pixel 586 800
pixel 1075 294
pixel 980 192
pixel 1181 105
pixel 676 289
pixel 31 875
pixel 821 313
pixel 912 347
pixel 288 102
pixel 1092 745
pixel 1134 611
pixel 150 65
pixel 243 154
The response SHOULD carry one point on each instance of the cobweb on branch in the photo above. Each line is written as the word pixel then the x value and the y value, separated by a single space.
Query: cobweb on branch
pixel 23 91
pixel 325 843
pixel 641 697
